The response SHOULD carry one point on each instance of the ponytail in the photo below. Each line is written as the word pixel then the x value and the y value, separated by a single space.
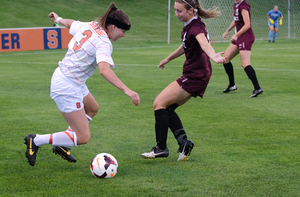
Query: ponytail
pixel 115 17
pixel 198 10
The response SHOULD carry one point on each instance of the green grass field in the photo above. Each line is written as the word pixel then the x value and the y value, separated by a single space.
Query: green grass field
pixel 243 147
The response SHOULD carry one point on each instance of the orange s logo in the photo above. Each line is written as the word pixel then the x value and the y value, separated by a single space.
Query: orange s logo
pixel 86 35
pixel 52 39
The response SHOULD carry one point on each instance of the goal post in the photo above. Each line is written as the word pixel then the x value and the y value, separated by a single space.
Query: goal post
pixel 169 20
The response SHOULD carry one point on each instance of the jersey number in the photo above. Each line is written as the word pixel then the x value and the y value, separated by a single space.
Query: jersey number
pixel 86 35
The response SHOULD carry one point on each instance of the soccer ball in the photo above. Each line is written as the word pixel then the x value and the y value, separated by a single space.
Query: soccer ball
pixel 104 165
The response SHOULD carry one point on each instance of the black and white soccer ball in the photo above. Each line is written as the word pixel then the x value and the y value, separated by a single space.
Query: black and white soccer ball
pixel 104 165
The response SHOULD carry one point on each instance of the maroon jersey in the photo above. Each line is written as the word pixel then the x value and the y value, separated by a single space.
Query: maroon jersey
pixel 197 67
pixel 197 64
pixel 248 36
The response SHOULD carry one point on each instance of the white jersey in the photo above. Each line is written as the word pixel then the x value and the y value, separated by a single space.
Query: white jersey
pixel 89 46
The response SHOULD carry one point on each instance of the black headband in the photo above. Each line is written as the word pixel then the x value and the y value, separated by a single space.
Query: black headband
pixel 117 23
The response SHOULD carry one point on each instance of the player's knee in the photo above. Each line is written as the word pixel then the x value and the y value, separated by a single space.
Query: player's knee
pixel 228 58
pixel 157 105
pixel 83 138
pixel 92 111
pixel 226 61
pixel 95 109
pixel 244 65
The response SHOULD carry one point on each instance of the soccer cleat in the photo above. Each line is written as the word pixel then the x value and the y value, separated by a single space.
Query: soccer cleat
pixel 257 92
pixel 64 152
pixel 156 152
pixel 230 88
pixel 185 150
pixel 32 149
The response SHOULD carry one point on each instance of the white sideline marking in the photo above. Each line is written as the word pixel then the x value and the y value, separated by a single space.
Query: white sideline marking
pixel 13 62
pixel 115 49
pixel 64 51
pixel 150 65
pixel 5 54
pixel 267 69
pixel 178 66
pixel 271 49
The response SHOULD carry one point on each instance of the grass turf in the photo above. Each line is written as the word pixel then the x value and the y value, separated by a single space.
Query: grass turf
pixel 243 146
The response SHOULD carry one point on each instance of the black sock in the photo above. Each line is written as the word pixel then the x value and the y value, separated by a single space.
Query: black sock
pixel 229 70
pixel 252 76
pixel 176 125
pixel 161 127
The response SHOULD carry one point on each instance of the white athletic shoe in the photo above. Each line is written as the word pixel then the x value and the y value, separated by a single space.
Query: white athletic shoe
pixel 156 152
pixel 230 88
pixel 256 93
pixel 185 151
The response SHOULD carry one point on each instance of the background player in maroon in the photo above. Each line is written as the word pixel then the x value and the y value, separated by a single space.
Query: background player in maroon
pixel 241 44
pixel 193 82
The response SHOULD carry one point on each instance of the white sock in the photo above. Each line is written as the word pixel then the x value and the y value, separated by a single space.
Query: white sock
pixel 66 138
pixel 69 129
pixel 41 139
pixel 88 118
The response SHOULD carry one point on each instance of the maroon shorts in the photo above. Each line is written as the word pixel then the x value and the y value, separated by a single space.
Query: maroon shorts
pixel 192 86
pixel 243 45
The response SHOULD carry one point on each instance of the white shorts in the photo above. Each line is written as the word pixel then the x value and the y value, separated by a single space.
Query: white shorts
pixel 67 95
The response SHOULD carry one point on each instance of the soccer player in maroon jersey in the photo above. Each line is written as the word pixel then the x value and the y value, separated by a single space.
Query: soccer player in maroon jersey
pixel 193 82
pixel 241 43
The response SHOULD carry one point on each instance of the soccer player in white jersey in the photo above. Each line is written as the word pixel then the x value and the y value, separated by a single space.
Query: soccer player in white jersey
pixel 88 49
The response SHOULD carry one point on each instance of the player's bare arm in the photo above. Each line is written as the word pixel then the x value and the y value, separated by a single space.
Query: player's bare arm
pixel 247 25
pixel 232 25
pixel 207 48
pixel 177 53
pixel 64 22
pixel 112 78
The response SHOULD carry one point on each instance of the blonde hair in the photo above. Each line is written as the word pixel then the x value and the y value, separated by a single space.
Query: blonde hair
pixel 199 11
pixel 115 15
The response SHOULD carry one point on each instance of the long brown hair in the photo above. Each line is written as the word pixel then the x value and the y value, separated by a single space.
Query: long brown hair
pixel 203 13
pixel 114 14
